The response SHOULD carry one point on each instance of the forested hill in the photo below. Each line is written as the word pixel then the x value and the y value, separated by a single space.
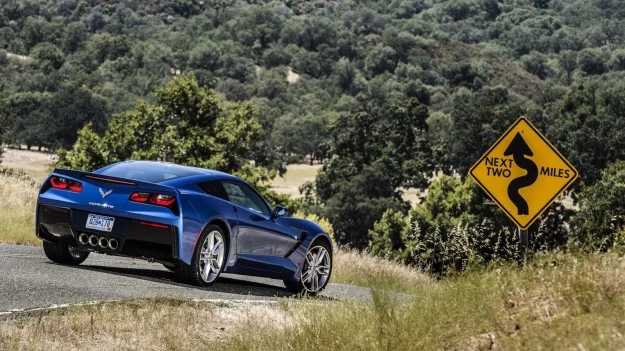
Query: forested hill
pixel 65 62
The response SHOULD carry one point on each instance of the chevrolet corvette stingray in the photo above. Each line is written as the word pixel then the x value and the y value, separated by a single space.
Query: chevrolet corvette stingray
pixel 197 222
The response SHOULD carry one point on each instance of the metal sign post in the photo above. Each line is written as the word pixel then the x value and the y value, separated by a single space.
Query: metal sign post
pixel 523 240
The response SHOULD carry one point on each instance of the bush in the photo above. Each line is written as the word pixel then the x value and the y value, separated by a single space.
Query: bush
pixel 454 226
pixel 598 224
pixel 386 235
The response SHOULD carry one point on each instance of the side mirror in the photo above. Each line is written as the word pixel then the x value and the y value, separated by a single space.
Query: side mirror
pixel 280 211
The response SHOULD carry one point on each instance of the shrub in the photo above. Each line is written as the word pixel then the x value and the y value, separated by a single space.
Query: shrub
pixel 454 226
pixel 386 235
pixel 598 224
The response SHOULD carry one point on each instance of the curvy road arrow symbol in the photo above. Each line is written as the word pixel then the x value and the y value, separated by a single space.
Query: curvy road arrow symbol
pixel 518 149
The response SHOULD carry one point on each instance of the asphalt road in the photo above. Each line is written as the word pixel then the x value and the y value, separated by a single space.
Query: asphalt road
pixel 29 280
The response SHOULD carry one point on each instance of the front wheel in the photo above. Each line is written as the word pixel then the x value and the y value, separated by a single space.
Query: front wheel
pixel 315 273
pixel 208 258
pixel 64 253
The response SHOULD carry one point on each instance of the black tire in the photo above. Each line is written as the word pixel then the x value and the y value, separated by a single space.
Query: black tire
pixel 192 274
pixel 171 268
pixel 299 287
pixel 60 253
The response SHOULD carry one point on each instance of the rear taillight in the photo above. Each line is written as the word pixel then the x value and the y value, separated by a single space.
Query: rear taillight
pixel 58 183
pixel 75 186
pixel 65 184
pixel 154 199
pixel 139 197
pixel 162 200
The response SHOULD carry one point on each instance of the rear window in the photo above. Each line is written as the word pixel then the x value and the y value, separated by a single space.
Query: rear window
pixel 148 171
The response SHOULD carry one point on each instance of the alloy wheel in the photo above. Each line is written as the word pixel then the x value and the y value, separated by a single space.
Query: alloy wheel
pixel 316 270
pixel 211 256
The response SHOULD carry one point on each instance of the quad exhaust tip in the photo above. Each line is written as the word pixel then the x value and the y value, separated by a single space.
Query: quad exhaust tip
pixel 113 244
pixel 93 240
pixel 103 242
pixel 83 239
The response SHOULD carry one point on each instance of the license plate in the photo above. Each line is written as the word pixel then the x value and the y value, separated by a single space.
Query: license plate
pixel 100 222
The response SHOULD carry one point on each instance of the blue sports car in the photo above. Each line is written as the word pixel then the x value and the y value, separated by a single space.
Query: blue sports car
pixel 197 222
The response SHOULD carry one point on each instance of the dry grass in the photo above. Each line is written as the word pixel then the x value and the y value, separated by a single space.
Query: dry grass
pixel 24 60
pixel 35 163
pixel 18 197
pixel 296 175
pixel 156 324
pixel 351 267
pixel 559 302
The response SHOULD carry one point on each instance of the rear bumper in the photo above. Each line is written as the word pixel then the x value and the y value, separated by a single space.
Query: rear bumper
pixel 136 238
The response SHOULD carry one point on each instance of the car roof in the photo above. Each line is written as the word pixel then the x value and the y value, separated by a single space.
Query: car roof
pixel 183 171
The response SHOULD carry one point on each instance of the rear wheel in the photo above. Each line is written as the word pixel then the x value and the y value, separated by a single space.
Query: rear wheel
pixel 316 271
pixel 64 253
pixel 208 259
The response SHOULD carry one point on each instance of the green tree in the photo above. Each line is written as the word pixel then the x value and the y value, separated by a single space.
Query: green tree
pixel 592 61
pixel 568 63
pixel 478 120
pixel 536 64
pixel 186 124
pixel 381 59
pixel 374 151
pixel 588 128
pixel 31 119
pixel 49 57
pixel 74 36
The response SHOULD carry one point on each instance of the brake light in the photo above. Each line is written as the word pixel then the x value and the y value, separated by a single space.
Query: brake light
pixel 75 186
pixel 139 197
pixel 162 200
pixel 154 199
pixel 65 184
pixel 58 183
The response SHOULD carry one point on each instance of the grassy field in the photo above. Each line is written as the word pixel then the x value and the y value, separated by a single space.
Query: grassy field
pixel 559 302
pixel 154 324
pixel 17 208
pixel 35 163
pixel 298 174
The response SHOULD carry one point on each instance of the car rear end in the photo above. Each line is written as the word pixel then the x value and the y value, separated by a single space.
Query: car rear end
pixel 107 214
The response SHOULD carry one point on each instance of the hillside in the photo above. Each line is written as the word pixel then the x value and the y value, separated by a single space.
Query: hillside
pixel 91 60
pixel 384 94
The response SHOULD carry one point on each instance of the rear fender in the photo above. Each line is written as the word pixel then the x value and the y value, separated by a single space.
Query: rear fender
pixel 204 210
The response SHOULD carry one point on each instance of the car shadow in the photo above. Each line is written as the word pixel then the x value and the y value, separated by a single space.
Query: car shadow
pixel 223 284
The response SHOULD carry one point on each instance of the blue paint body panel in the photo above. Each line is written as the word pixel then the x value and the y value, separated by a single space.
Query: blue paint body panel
pixel 257 243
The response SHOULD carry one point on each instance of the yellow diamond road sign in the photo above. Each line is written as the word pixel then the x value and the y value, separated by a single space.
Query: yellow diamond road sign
pixel 523 173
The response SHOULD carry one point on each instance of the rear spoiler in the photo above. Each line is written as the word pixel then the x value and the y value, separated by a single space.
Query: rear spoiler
pixel 85 176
